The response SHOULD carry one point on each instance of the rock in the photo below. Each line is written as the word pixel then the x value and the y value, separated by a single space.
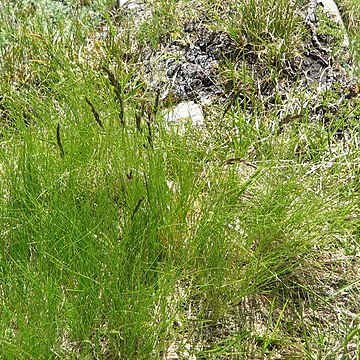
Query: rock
pixel 332 10
pixel 131 5
pixel 182 114
pixel 122 2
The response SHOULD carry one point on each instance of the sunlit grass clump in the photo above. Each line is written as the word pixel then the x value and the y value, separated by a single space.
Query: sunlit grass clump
pixel 122 238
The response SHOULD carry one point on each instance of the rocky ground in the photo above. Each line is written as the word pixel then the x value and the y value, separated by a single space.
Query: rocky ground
pixel 191 68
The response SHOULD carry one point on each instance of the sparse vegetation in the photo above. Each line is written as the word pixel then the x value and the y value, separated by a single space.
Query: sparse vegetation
pixel 123 238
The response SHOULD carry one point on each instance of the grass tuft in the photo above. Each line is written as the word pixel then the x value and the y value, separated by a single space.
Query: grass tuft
pixel 123 238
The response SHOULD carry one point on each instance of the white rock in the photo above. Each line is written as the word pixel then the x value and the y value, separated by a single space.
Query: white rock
pixel 332 10
pixel 122 2
pixel 131 4
pixel 184 113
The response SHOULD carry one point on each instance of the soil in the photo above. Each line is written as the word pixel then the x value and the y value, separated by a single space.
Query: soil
pixel 195 76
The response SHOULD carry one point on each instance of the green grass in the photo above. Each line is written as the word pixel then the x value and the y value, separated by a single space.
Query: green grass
pixel 123 239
